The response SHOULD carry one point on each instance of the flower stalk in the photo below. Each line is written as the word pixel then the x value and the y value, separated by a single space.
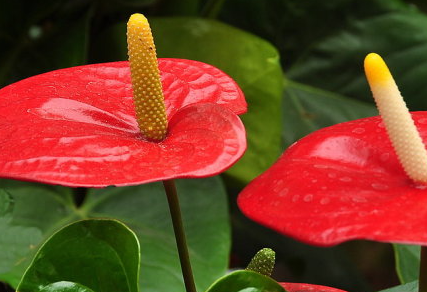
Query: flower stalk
pixel 180 238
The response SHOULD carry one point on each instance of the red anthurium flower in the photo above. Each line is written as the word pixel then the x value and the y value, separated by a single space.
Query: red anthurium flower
pixel 348 181
pixel 78 127
pixel 297 287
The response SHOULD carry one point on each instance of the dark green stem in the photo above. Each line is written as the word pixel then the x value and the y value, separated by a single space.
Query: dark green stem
pixel 212 8
pixel 422 278
pixel 178 228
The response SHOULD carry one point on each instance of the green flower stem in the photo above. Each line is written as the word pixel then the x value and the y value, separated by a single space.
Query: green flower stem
pixel 422 278
pixel 178 228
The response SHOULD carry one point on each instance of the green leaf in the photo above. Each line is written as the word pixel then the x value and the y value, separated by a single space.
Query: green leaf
pixel 101 254
pixel 144 208
pixel 407 262
pixel 245 281
pixel 251 61
pixel 295 27
pixel 410 287
pixel 335 63
pixel 35 211
pixel 65 286
pixel 307 109
pixel 40 209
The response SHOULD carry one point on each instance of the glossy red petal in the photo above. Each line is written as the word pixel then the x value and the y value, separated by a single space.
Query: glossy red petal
pixel 297 287
pixel 77 127
pixel 340 183
pixel 186 82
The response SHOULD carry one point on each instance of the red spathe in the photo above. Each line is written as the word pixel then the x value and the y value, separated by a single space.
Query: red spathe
pixel 77 126
pixel 341 183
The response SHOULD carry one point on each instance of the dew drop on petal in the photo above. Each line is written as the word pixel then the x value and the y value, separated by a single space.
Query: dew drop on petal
pixel 346 179
pixel 308 198
pixel 295 198
pixel 359 199
pixel 384 157
pixel 332 175
pixel 380 187
pixel 325 201
pixel 168 172
pixel 283 192
pixel 422 121
pixel 320 166
pixel 359 131
pixel 421 187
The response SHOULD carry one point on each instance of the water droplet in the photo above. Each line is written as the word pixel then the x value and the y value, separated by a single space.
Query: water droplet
pixel 324 201
pixel 422 121
pixel 359 199
pixel 295 198
pixel 332 175
pixel 359 131
pixel 283 192
pixel 168 172
pixel 380 187
pixel 275 203
pixel 278 186
pixel 346 179
pixel 308 198
pixel 320 166
pixel 324 188
pixel 420 187
pixel 314 181
pixel 384 157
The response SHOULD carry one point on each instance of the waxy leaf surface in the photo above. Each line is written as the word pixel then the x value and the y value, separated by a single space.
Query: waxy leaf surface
pixel 407 259
pixel 101 254
pixel 340 183
pixel 65 286
pixel 30 213
pixel 245 281
pixel 77 126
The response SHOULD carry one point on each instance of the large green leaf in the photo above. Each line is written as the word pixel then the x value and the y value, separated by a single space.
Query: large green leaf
pixel 144 208
pixel 65 286
pixel 101 254
pixel 251 61
pixel 295 26
pixel 335 63
pixel 34 212
pixel 407 262
pixel 245 281
pixel 410 287
pixel 307 109
pixel 42 209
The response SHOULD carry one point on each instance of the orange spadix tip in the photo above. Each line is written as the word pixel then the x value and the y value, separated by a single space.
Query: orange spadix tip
pixel 376 70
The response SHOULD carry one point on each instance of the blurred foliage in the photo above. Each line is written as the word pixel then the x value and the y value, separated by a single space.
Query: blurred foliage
pixel 298 61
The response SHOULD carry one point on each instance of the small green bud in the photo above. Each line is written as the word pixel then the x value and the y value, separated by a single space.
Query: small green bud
pixel 263 262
